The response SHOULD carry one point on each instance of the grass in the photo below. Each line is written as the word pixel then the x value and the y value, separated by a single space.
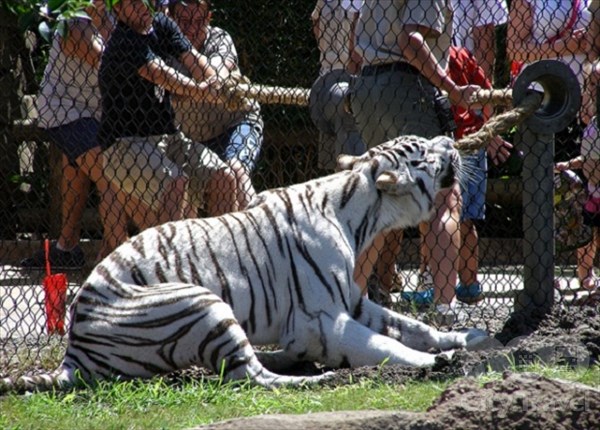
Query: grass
pixel 158 404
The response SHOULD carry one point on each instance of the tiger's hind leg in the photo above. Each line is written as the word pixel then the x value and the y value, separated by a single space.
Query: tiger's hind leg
pixel 165 327
pixel 409 331
pixel 233 353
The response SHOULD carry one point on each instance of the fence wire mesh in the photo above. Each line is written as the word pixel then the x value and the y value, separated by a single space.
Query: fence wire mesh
pixel 109 128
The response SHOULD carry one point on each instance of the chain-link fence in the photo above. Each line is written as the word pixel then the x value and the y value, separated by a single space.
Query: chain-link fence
pixel 106 131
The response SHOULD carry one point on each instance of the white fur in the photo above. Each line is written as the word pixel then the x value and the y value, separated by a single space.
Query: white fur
pixel 278 273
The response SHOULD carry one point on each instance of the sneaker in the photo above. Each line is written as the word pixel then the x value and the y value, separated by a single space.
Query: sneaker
pixel 469 294
pixel 424 280
pixel 397 284
pixel 443 314
pixel 73 259
pixel 424 297
pixel 447 315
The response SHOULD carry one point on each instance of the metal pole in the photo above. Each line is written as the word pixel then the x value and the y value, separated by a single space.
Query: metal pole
pixel 538 221
pixel 535 136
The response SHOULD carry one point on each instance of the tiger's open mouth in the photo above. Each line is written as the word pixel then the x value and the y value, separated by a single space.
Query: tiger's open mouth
pixel 449 176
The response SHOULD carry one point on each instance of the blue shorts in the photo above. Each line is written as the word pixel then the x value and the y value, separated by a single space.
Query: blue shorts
pixel 75 138
pixel 474 186
pixel 242 142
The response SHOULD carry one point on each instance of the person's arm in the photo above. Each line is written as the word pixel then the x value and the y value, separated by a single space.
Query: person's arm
pixel 159 73
pixel 594 31
pixel 484 49
pixel 519 30
pixel 520 45
pixel 217 63
pixel 355 57
pixel 225 56
pixel 199 66
pixel 314 18
pixel 83 43
pixel 574 163
pixel 417 53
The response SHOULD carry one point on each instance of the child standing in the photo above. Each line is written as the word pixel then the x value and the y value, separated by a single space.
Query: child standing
pixel 589 162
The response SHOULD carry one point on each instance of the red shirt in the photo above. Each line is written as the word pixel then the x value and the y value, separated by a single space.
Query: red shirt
pixel 464 70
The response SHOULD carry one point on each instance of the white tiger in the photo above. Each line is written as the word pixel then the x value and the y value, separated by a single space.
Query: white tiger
pixel 203 291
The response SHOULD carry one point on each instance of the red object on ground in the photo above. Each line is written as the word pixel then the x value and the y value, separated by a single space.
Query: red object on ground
pixel 55 291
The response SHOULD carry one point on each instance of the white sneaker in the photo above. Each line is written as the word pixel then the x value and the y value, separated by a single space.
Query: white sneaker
pixel 444 314
pixel 424 280
pixel 448 314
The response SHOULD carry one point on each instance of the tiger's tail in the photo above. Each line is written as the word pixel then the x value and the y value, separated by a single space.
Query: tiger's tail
pixel 60 379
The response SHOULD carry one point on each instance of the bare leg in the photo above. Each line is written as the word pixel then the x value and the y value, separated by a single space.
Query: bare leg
pixel 585 261
pixel 469 253
pixel 222 193
pixel 141 215
pixel 244 189
pixel 173 201
pixel 75 186
pixel 112 213
pixel 366 262
pixel 425 251
pixel 443 241
pixel 173 206
pixel 386 263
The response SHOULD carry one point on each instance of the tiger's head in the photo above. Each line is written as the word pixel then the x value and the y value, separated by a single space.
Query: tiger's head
pixel 411 169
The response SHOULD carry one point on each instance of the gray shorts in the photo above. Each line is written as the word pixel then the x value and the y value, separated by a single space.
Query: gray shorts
pixel 337 128
pixel 145 166
pixel 393 103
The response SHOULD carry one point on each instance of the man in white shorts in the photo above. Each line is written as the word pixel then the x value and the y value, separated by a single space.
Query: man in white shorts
pixel 137 129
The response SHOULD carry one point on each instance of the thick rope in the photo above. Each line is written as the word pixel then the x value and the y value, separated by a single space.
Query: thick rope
pixel 241 89
pixel 266 94
pixel 500 123
pixel 494 97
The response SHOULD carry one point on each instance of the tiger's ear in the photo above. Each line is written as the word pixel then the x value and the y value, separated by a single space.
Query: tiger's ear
pixel 346 162
pixel 394 183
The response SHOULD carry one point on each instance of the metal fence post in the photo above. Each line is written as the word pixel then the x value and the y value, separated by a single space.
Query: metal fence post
pixel 535 136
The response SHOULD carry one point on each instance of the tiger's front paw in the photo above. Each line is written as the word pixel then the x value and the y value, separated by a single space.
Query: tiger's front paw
pixel 443 359
pixel 473 337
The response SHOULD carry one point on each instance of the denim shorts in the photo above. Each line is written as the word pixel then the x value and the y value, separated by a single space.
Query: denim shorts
pixel 75 138
pixel 242 142
pixel 474 186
